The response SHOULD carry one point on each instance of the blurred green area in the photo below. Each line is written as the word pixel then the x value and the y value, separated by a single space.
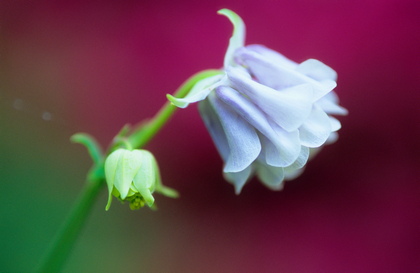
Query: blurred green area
pixel 41 175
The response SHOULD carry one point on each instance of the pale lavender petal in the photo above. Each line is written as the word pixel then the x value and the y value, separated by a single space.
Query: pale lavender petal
pixel 322 88
pixel 278 76
pixel 289 108
pixel 335 124
pixel 239 179
pixel 267 71
pixel 272 55
pixel 331 108
pixel 246 109
pixel 242 138
pixel 282 147
pixel 288 144
pixel 272 177
pixel 215 128
pixel 329 103
pixel 317 70
pixel 316 129
pixel 332 96
pixel 301 160
pixel 284 151
pixel 332 138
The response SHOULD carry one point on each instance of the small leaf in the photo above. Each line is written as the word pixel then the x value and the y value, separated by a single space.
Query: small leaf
pixel 91 145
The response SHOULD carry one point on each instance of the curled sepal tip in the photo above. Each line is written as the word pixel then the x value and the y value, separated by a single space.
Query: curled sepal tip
pixel 238 37
pixel 198 92
pixel 134 176
pixel 196 88
pixel 91 145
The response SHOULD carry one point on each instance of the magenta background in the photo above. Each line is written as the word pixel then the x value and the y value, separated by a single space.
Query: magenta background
pixel 101 64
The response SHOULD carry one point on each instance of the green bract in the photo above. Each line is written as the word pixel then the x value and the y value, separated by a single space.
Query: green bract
pixel 133 176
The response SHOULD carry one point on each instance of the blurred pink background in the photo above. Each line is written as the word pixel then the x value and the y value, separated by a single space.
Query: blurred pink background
pixel 96 65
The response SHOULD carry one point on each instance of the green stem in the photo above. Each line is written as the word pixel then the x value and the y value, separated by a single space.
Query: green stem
pixel 141 137
pixel 69 232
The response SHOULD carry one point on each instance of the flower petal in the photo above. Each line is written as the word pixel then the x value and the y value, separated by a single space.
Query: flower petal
pixel 277 76
pixel 281 147
pixel 267 71
pixel 272 55
pixel 289 108
pixel 242 138
pixel 317 70
pixel 284 151
pixel 128 166
pixel 332 138
pixel 199 92
pixel 301 160
pixel 329 103
pixel 316 129
pixel 272 177
pixel 238 37
pixel 239 179
pixel 215 128
pixel 111 164
pixel 146 176
pixel 335 124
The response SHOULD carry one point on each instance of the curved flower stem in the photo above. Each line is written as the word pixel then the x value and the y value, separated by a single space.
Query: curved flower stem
pixel 69 232
pixel 141 137
pixel 66 237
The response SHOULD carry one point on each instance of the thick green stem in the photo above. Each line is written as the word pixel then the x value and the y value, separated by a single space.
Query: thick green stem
pixel 142 136
pixel 66 237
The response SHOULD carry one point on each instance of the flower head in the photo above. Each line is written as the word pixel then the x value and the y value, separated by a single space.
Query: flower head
pixel 133 176
pixel 266 114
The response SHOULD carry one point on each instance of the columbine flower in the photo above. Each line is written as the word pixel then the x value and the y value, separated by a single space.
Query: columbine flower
pixel 133 176
pixel 266 114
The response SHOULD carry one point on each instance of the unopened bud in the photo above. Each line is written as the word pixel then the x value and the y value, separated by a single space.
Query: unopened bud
pixel 134 176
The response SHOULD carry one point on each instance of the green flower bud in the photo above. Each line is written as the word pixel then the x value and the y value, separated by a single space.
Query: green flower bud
pixel 133 176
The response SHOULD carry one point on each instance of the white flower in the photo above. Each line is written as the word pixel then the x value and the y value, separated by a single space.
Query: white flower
pixel 266 113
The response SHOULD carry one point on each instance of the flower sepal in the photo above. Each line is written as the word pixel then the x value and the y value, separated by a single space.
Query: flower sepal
pixel 134 176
